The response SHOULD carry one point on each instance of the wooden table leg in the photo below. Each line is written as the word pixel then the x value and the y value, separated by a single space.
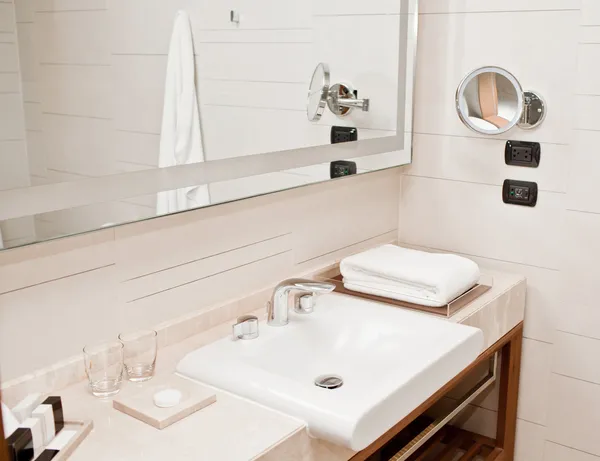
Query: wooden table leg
pixel 509 397
pixel 3 446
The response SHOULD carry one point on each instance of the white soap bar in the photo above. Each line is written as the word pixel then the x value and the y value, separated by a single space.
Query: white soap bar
pixel 167 398
pixel 61 440
pixel 10 422
pixel 45 414
pixel 26 406
pixel 37 434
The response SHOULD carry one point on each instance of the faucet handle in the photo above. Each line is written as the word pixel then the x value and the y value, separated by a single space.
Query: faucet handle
pixel 305 304
pixel 245 328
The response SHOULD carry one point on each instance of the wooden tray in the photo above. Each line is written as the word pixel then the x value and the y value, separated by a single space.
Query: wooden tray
pixel 448 310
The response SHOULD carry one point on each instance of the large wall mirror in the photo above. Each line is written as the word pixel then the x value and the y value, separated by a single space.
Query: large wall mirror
pixel 113 111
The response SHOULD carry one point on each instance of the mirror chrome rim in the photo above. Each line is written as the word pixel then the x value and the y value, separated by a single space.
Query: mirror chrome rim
pixel 320 109
pixel 463 85
pixel 540 104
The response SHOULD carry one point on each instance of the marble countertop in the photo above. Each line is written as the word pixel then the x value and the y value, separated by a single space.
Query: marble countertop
pixel 235 429
pixel 232 429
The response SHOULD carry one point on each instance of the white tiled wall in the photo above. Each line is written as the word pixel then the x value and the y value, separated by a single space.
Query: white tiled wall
pixel 452 197
pixel 57 296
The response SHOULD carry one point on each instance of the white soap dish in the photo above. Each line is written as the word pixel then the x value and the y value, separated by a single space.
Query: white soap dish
pixel 167 398
pixel 163 401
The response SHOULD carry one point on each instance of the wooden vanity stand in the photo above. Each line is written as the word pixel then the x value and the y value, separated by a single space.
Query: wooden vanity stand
pixel 449 441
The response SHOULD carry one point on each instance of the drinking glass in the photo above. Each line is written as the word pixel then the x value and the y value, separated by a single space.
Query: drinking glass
pixel 104 368
pixel 140 354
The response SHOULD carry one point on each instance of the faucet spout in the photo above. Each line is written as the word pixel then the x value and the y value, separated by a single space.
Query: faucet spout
pixel 277 312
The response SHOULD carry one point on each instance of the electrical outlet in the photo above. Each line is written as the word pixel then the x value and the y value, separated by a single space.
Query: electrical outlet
pixel 522 153
pixel 343 134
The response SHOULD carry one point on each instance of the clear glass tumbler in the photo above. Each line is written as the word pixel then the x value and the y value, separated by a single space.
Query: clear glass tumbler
pixel 140 354
pixel 104 368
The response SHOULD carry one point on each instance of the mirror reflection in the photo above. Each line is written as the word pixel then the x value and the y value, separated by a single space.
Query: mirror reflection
pixel 490 101
pixel 119 90
pixel 111 87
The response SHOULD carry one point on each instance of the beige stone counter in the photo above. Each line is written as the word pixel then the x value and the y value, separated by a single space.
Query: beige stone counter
pixel 239 430
pixel 232 429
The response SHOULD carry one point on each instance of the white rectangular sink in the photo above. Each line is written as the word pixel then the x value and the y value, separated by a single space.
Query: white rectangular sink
pixel 391 360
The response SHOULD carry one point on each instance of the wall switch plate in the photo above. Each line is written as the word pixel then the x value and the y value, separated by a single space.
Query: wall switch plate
pixel 343 134
pixel 523 153
pixel 520 192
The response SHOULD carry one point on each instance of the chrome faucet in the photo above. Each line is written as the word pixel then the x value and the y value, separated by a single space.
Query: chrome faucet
pixel 277 309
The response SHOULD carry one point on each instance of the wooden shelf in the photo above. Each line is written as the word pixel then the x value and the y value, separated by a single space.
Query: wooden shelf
pixel 456 445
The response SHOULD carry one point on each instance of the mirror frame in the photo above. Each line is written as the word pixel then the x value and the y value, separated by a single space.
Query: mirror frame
pixel 469 78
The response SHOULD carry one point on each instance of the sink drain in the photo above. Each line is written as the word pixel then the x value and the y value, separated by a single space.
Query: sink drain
pixel 329 381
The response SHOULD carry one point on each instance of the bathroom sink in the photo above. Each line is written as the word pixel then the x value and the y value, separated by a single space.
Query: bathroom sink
pixel 390 360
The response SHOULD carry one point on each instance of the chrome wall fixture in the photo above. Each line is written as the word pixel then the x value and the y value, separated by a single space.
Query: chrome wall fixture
pixel 341 98
pixel 490 100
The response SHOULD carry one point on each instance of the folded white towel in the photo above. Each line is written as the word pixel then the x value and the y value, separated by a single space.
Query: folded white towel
pixel 430 279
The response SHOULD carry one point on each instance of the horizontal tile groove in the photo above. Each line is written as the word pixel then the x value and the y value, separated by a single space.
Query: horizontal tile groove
pixel 270 29
pixel 90 10
pixel 334 15
pixel 69 172
pixel 445 135
pixel 122 130
pixel 234 80
pixel 212 275
pixel 484 257
pixel 208 257
pixel 137 163
pixel 574 449
pixel 532 422
pixel 255 107
pixel 547 191
pixel 576 379
pixel 57 278
pixel 573 210
pixel 538 340
pixel 74 64
pixel 451 180
pixel 500 11
pixel 93 117
pixel 348 246
pixel 577 334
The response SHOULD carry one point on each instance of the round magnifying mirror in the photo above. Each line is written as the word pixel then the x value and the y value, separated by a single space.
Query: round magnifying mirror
pixel 318 92
pixel 490 100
